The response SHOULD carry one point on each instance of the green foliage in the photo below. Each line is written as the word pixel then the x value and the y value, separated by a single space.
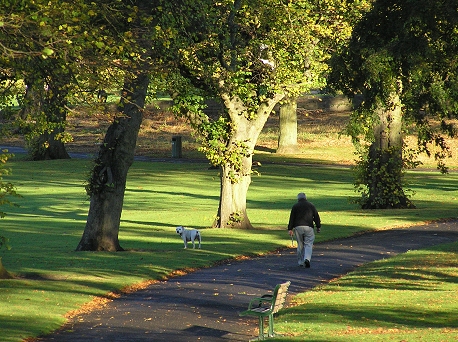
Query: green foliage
pixel 235 218
pixel 254 51
pixel 379 178
pixel 61 52
pixel 100 179
pixel 247 56
pixel 214 134
pixel 6 188
pixel 397 48
pixel 398 42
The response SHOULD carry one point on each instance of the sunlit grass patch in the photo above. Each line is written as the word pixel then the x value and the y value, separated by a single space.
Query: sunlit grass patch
pixel 406 298
pixel 53 279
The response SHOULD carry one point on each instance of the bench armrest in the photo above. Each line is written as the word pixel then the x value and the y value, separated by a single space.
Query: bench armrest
pixel 257 302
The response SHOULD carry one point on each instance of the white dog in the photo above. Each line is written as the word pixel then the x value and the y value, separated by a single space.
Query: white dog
pixel 189 235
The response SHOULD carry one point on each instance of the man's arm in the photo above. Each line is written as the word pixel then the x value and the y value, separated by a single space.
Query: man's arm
pixel 317 220
pixel 291 223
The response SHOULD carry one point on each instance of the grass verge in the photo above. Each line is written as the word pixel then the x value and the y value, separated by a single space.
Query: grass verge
pixel 411 297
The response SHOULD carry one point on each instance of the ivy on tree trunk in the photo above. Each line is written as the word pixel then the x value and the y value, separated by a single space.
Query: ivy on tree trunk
pixel 382 172
pixel 107 184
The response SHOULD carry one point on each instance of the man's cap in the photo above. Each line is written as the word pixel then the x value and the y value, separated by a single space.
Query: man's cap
pixel 301 195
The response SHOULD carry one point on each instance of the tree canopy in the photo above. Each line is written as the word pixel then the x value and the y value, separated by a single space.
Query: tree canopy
pixel 412 42
pixel 56 53
pixel 403 54
pixel 248 56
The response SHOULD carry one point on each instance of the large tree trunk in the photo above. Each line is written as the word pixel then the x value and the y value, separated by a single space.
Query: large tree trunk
pixel 235 181
pixel 232 205
pixel 385 165
pixel 287 140
pixel 108 181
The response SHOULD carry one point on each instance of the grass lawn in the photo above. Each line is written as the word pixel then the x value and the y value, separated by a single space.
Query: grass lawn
pixel 374 303
pixel 411 297
pixel 52 279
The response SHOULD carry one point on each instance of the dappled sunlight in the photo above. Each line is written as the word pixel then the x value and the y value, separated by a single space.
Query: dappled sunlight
pixel 35 321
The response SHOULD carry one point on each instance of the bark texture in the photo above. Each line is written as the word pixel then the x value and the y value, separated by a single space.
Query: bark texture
pixel 287 140
pixel 233 193
pixel 385 164
pixel 108 180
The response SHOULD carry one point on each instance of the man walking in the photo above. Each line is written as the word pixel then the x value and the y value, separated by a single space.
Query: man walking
pixel 303 215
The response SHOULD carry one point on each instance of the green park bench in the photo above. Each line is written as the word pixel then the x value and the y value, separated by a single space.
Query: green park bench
pixel 266 306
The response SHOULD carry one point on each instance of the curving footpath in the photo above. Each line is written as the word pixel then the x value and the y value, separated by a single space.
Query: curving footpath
pixel 204 305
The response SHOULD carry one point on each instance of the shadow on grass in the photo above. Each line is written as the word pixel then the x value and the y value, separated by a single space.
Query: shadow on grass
pixel 367 316
pixel 421 270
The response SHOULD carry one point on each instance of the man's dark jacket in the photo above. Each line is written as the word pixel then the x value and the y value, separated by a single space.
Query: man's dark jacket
pixel 304 213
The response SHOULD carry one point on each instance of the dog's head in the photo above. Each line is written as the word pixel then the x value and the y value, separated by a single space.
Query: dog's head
pixel 180 230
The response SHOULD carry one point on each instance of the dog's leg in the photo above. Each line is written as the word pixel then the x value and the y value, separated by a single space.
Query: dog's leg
pixel 200 239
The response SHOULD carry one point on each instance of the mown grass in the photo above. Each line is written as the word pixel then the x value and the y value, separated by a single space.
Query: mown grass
pixel 411 297
pixel 52 279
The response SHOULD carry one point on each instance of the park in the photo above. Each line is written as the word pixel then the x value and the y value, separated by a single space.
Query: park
pixel 95 97
pixel 53 280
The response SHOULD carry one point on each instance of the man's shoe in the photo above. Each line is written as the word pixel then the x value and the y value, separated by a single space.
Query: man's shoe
pixel 301 265
pixel 307 263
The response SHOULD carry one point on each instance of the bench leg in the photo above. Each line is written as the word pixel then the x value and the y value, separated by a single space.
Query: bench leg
pixel 261 336
pixel 261 328
pixel 271 325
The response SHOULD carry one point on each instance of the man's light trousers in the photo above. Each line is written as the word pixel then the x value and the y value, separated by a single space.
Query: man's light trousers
pixel 305 237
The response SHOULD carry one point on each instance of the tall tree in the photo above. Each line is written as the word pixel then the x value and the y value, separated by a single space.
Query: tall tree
pixel 29 38
pixel 56 47
pixel 107 183
pixel 44 109
pixel 335 29
pixel 402 59
pixel 248 56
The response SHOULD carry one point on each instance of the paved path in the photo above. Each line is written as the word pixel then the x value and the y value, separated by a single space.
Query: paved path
pixel 204 305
